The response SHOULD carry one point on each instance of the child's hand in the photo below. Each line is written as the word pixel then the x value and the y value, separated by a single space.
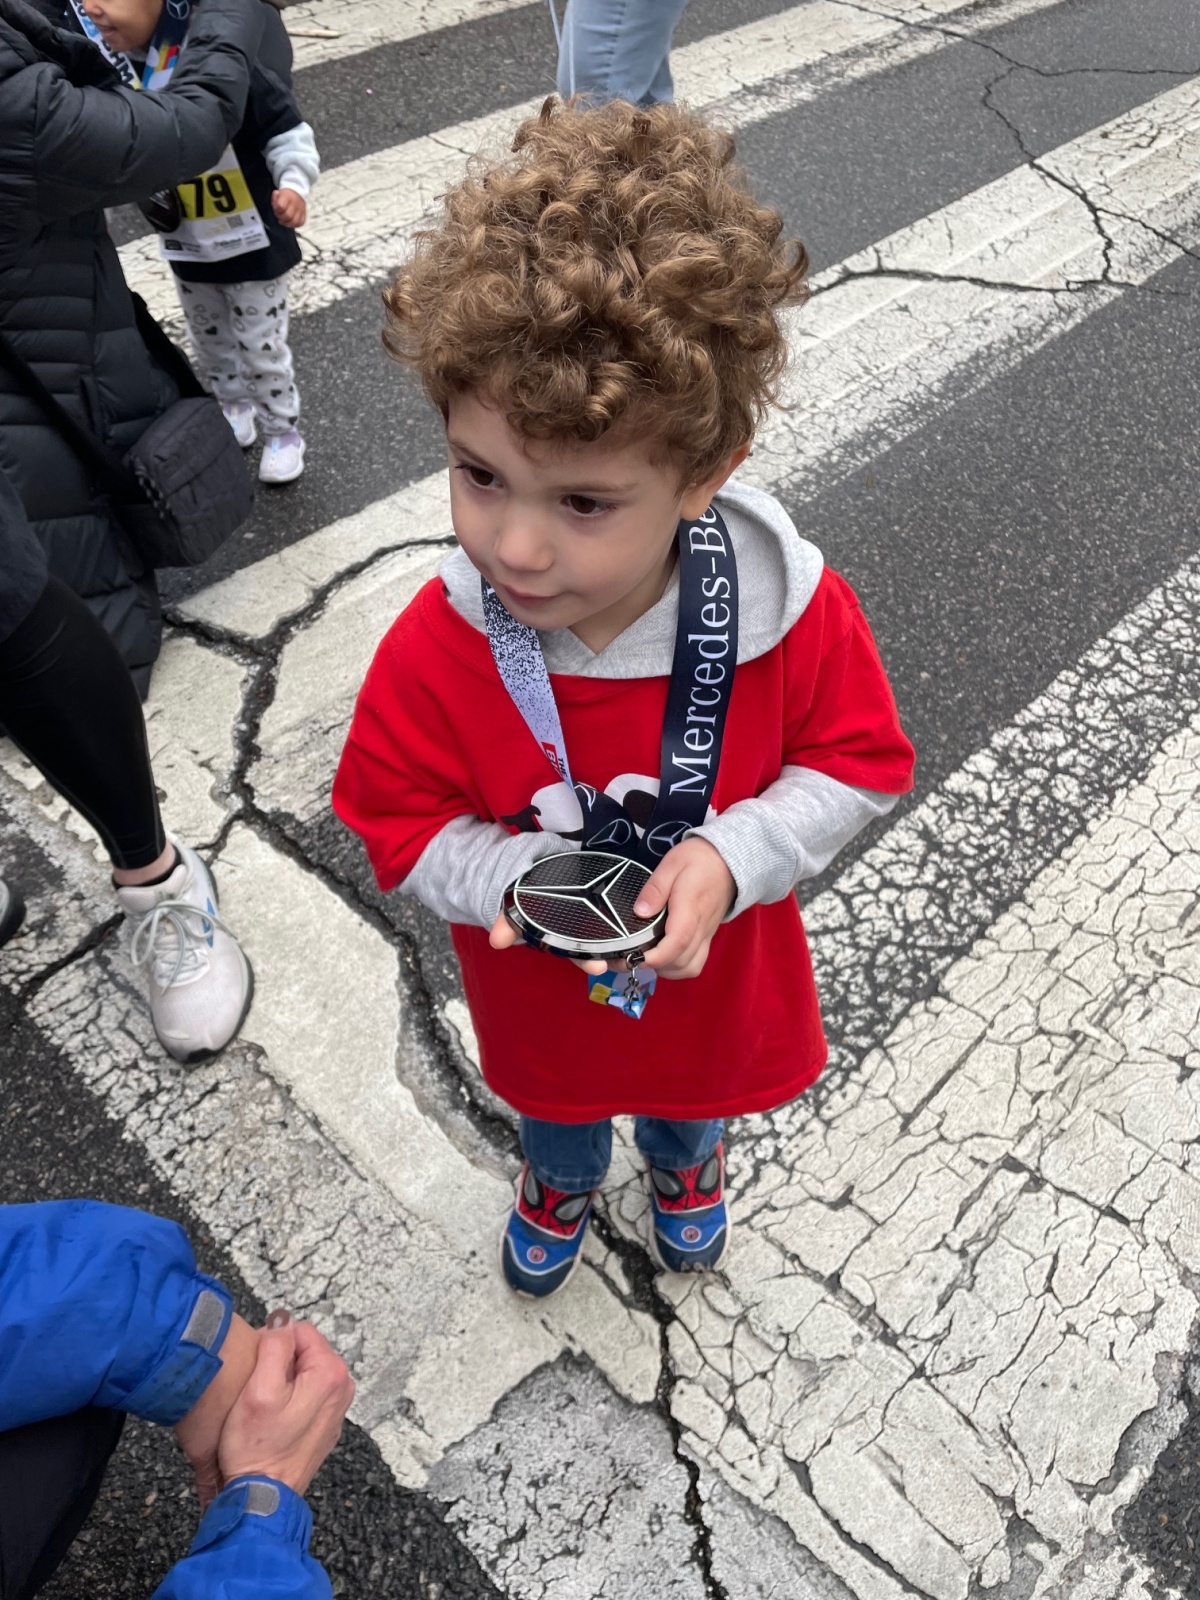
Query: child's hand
pixel 290 208
pixel 503 936
pixel 697 888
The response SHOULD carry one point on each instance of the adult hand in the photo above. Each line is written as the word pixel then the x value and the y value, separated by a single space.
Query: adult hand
pixel 290 207
pixel 289 1416
pixel 200 1431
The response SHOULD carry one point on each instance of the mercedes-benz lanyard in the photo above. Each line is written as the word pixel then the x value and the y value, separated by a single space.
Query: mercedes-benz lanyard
pixel 706 637
pixel 211 217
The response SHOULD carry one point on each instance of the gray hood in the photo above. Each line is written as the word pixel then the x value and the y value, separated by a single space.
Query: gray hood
pixel 778 572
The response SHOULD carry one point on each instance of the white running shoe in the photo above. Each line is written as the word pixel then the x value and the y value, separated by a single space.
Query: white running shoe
pixel 200 982
pixel 282 458
pixel 12 911
pixel 239 414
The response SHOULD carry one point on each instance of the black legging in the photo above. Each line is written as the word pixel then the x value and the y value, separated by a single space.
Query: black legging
pixel 68 702
pixel 50 1475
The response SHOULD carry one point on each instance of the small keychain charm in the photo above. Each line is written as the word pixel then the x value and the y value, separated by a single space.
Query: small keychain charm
pixel 629 992
pixel 633 991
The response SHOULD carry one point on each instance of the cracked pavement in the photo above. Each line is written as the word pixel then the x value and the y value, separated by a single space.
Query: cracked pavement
pixel 950 1354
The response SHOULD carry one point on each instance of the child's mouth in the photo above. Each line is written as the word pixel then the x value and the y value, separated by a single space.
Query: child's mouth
pixel 527 599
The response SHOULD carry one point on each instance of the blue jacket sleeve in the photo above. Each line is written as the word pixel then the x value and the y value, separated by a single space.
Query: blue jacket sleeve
pixel 100 1305
pixel 251 1545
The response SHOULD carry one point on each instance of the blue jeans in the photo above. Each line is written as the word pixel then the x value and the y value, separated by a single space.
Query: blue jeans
pixel 574 1156
pixel 618 50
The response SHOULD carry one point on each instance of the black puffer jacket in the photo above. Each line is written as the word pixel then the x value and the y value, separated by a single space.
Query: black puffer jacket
pixel 72 141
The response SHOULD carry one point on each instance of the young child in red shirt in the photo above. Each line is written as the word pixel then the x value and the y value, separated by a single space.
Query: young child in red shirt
pixel 596 318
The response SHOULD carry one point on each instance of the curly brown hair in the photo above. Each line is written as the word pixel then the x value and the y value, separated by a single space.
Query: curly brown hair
pixel 613 273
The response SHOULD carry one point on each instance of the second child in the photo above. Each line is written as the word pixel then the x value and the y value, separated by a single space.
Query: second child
pixel 230 234
pixel 597 320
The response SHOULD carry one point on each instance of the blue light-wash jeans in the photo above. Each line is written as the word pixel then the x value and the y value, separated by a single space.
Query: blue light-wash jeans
pixel 574 1156
pixel 618 50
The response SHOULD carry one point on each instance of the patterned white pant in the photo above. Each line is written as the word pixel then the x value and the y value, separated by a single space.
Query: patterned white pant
pixel 239 333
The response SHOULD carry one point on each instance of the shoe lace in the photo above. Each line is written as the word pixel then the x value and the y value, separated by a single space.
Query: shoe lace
pixel 174 936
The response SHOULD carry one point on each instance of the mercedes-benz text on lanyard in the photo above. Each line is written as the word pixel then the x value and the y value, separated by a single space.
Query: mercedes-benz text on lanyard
pixel 706 636
pixel 211 217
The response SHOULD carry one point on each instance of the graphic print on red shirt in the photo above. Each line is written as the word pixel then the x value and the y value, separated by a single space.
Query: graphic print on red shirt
pixel 435 736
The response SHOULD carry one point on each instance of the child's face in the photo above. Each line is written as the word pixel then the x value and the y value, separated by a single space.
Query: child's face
pixel 570 536
pixel 125 24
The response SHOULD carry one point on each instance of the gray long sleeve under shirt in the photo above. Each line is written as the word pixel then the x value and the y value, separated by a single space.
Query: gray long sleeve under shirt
pixel 790 832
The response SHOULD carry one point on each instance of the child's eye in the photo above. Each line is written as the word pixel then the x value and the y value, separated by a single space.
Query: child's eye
pixel 479 476
pixel 583 505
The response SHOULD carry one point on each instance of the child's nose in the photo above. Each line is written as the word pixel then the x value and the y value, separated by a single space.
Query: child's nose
pixel 521 543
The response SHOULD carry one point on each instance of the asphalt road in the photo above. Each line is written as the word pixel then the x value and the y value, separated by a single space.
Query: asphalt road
pixel 995 528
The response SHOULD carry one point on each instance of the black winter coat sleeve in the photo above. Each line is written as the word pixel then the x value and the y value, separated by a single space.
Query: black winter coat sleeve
pixel 271 108
pixel 22 560
pixel 275 47
pixel 104 146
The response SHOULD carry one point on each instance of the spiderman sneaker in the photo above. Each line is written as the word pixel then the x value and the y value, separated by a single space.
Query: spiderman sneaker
pixel 543 1240
pixel 690 1231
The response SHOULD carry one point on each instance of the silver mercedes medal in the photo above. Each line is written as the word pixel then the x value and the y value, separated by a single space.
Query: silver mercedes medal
pixel 581 904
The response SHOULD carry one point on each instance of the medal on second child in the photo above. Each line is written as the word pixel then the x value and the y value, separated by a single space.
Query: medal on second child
pixel 211 217
pixel 580 903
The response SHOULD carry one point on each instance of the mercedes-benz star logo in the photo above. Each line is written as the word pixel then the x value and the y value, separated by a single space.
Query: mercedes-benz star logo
pixel 595 894
pixel 665 837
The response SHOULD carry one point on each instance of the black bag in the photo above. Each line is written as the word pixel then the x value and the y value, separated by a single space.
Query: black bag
pixel 183 488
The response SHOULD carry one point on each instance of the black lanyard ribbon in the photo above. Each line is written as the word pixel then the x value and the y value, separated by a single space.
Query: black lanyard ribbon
pixel 706 638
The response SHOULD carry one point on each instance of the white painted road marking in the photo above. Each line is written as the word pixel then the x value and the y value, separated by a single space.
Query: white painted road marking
pixel 254 599
pixel 362 25
pixel 958 1288
pixel 366 210
pixel 877 336
pixel 924 31
pixel 873 354
pixel 872 351
pixel 1006 1187
pixel 1002 1191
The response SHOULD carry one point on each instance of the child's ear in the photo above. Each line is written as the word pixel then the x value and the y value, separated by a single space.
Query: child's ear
pixel 698 497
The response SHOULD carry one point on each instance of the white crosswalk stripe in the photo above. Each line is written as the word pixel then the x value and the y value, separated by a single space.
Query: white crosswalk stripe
pixel 368 209
pixel 361 25
pixel 894 322
pixel 922 30
pixel 884 334
pixel 948 1347
pixel 420 1332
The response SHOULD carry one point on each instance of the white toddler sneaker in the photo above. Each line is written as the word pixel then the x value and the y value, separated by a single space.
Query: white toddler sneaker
pixel 200 981
pixel 282 458
pixel 239 414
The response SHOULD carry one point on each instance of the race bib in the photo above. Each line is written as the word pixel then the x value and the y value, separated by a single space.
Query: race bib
pixel 210 218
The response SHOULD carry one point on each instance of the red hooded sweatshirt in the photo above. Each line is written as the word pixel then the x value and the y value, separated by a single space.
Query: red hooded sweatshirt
pixel 435 736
